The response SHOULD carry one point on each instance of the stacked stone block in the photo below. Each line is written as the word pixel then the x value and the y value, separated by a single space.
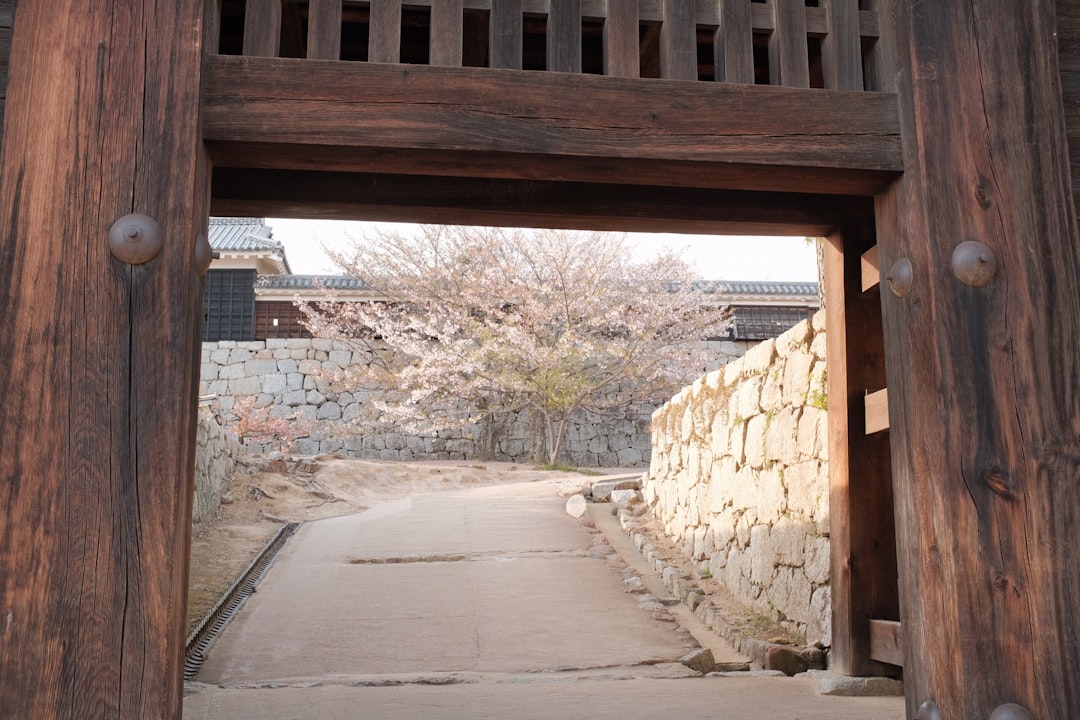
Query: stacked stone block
pixel 739 477
pixel 215 460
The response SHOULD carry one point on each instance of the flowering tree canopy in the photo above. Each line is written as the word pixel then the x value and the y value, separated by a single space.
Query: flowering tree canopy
pixel 474 321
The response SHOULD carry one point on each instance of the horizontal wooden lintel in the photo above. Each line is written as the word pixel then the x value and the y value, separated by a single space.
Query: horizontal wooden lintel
pixel 887 642
pixel 422 120
pixel 555 204
pixel 877 411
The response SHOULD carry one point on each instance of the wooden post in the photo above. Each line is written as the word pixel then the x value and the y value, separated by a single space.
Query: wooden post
pixel 97 430
pixel 862 538
pixel 984 380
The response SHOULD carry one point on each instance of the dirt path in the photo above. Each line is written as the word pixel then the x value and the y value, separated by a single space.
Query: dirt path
pixel 272 492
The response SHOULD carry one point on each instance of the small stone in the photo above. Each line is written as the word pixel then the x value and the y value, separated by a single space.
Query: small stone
pixel 700 660
pixel 624 498
pixel 828 683
pixel 786 659
pixel 576 506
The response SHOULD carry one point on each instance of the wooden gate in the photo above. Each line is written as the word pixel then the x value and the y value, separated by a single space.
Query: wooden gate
pixel 860 120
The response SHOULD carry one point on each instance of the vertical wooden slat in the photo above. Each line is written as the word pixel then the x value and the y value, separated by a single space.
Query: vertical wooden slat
pixel 862 540
pixel 841 49
pixel 789 63
pixel 678 41
pixel 95 508
pixel 734 45
pixel 324 30
pixel 564 36
pixel 446 33
pixel 621 55
pixel 506 34
pixel 880 67
pixel 262 28
pixel 384 32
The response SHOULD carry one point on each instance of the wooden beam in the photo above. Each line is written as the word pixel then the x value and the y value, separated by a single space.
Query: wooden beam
pixel 678 41
pixel 97 446
pixel 383 118
pixel 887 642
pixel 862 538
pixel 871 275
pixel 734 45
pixel 564 36
pixel 983 381
pixel 621 57
pixel 877 411
pixel 480 201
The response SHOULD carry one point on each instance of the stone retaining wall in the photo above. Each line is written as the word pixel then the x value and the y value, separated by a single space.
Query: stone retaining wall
pixel 291 376
pixel 739 477
pixel 215 460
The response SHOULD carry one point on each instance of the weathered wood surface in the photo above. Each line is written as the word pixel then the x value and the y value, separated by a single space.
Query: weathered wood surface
pixel 887 641
pixel 505 35
pixel 621 56
pixel 871 273
pixel 324 30
pixel 383 118
pixel 877 411
pixel 97 430
pixel 384 37
pixel 789 63
pixel 464 200
pixel 447 28
pixel 841 49
pixel 862 538
pixel 1068 22
pixel 734 46
pixel 7 22
pixel 678 38
pixel 564 36
pixel 262 28
pixel 983 382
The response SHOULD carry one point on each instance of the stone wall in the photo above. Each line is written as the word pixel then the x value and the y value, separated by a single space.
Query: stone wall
pixel 739 478
pixel 215 460
pixel 292 377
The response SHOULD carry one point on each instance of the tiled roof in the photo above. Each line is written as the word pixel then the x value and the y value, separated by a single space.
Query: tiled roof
pixel 309 282
pixel 242 235
pixel 752 287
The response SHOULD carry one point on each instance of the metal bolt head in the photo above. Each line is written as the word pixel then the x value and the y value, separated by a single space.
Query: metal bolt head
pixel 928 711
pixel 135 239
pixel 1011 711
pixel 974 263
pixel 900 277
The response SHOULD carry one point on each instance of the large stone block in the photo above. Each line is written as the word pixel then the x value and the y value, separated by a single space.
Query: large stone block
pixel 797 377
pixel 758 359
pixel 797 338
pixel 747 399
pixel 755 441
pixel 260 367
pixel 238 355
pixel 789 541
pixel 245 386
pixel 231 372
pixel 769 495
pixel 781 436
pixel 807 489
pixel 816 560
pixel 274 384
pixel 329 411
pixel 810 422
pixel 208 371
pixel 310 367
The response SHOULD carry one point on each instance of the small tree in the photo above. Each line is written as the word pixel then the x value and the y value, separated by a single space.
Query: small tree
pixel 476 321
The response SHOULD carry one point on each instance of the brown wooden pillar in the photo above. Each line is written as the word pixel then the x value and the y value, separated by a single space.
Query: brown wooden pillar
pixel 97 356
pixel 984 379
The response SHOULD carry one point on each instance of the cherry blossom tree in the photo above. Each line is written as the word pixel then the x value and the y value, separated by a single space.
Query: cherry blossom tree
pixel 477 321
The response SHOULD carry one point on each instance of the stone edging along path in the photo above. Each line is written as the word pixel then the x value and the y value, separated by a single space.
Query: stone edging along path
pixel 770 649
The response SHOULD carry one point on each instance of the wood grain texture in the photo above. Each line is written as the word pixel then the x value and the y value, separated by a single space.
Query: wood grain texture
pixel 880 63
pixel 984 383
pixel 262 28
pixel 621 56
pixel 97 448
pixel 789 63
pixel 1068 29
pixel 405 119
pixel 734 45
pixel 505 41
pixel 484 201
pixel 564 36
pixel 384 33
pixel 678 41
pixel 887 642
pixel 862 539
pixel 447 26
pixel 871 273
pixel 324 30
pixel 877 411
pixel 841 49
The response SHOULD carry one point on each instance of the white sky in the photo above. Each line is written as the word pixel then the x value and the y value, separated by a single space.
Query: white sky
pixel 715 257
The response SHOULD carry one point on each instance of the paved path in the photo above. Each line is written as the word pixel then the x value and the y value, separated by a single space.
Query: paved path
pixel 473 604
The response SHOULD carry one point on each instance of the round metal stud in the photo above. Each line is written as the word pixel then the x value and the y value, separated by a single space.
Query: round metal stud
pixel 1011 711
pixel 974 263
pixel 204 254
pixel 135 239
pixel 928 711
pixel 900 277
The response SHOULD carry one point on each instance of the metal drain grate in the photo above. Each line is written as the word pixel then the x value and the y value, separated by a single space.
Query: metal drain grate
pixel 202 637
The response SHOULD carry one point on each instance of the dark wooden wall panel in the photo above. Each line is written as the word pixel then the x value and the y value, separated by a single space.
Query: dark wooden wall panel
pixel 7 21
pixel 1068 23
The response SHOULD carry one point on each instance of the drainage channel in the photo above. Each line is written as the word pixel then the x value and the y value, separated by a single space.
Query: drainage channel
pixel 202 637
